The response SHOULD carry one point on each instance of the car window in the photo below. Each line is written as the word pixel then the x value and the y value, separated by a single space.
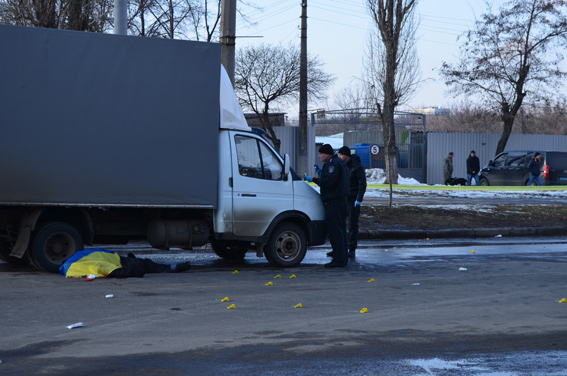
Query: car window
pixel 516 159
pixel 256 160
pixel 272 167
pixel 558 160
pixel 500 161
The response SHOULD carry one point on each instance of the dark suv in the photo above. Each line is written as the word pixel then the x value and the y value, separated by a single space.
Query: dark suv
pixel 511 168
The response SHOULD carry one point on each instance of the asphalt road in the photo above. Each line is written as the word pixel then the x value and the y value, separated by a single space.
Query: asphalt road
pixel 434 308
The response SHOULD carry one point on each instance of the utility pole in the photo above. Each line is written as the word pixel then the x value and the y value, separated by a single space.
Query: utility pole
pixel 120 17
pixel 302 162
pixel 228 36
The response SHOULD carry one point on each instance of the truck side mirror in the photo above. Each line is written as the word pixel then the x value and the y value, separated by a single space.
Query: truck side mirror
pixel 491 163
pixel 286 166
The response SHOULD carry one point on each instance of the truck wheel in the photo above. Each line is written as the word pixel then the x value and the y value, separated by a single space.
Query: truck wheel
pixel 484 182
pixel 5 250
pixel 53 244
pixel 287 246
pixel 229 252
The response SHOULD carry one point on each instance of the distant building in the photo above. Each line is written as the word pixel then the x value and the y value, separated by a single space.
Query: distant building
pixel 276 119
pixel 432 111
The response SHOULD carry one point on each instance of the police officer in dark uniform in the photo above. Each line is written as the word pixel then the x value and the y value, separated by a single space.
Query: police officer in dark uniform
pixel 334 183
pixel 357 190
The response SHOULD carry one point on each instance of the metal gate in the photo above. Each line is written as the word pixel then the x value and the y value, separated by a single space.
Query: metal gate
pixel 361 128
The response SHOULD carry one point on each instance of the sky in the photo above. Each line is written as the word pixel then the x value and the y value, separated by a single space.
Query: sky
pixel 337 33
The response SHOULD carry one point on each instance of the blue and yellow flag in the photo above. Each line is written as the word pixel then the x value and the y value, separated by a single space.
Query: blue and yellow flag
pixel 98 262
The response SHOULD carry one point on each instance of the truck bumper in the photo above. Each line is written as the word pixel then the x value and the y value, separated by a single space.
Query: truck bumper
pixel 317 233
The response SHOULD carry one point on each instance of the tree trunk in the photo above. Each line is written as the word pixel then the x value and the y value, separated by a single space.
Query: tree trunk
pixel 507 124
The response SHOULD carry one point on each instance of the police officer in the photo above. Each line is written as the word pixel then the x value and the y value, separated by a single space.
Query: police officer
pixel 334 183
pixel 357 189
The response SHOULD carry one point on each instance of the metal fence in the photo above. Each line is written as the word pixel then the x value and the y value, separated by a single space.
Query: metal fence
pixel 361 129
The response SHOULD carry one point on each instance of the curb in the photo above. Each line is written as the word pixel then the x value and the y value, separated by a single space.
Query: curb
pixel 463 233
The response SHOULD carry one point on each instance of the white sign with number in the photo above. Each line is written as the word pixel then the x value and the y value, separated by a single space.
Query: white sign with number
pixel 374 149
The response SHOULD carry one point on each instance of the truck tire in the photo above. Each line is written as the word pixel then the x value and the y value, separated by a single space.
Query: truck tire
pixel 5 250
pixel 53 244
pixel 229 252
pixel 287 246
pixel 484 182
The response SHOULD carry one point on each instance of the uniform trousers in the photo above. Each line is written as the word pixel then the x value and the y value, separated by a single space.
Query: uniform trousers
pixel 336 215
pixel 353 214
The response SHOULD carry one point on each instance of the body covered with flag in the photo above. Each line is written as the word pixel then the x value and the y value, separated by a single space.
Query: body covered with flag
pixel 104 263
pixel 99 262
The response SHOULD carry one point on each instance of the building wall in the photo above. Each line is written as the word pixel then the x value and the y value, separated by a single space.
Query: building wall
pixel 484 144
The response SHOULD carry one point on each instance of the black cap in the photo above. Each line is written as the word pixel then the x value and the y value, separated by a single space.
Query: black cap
pixel 326 149
pixel 472 151
pixel 345 150
pixel 536 154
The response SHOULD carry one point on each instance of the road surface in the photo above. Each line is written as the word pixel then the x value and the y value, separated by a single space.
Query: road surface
pixel 433 308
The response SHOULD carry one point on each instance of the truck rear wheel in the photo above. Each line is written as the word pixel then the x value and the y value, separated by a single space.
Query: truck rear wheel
pixel 53 244
pixel 229 252
pixel 5 250
pixel 287 246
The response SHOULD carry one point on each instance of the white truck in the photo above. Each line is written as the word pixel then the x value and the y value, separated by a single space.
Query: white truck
pixel 107 139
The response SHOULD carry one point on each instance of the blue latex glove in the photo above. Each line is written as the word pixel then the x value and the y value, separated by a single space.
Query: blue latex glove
pixel 356 204
pixel 308 178
pixel 318 171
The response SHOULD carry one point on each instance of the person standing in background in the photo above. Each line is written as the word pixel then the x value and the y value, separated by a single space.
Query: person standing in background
pixel 473 168
pixel 535 170
pixel 448 168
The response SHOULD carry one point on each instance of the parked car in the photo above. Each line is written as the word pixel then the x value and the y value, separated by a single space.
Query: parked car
pixel 511 168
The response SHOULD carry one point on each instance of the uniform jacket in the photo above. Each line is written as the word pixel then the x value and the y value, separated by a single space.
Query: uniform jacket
pixel 334 179
pixel 357 179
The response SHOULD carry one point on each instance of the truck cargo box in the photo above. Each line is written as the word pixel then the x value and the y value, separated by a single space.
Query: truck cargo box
pixel 105 120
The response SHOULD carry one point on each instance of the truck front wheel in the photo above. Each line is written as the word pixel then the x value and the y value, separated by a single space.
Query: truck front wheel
pixel 287 246
pixel 53 244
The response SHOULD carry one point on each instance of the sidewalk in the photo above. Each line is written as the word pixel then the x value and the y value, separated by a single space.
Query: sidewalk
pixel 463 233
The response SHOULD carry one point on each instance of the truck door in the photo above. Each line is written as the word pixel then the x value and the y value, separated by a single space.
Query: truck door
pixel 259 191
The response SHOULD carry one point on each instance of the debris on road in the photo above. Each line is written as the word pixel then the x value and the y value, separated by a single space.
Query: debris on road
pixel 77 325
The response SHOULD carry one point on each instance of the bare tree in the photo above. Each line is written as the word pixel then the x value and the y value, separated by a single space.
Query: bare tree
pixel 82 15
pixel 465 117
pixel 510 57
pixel 354 98
pixel 392 67
pixel 266 76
